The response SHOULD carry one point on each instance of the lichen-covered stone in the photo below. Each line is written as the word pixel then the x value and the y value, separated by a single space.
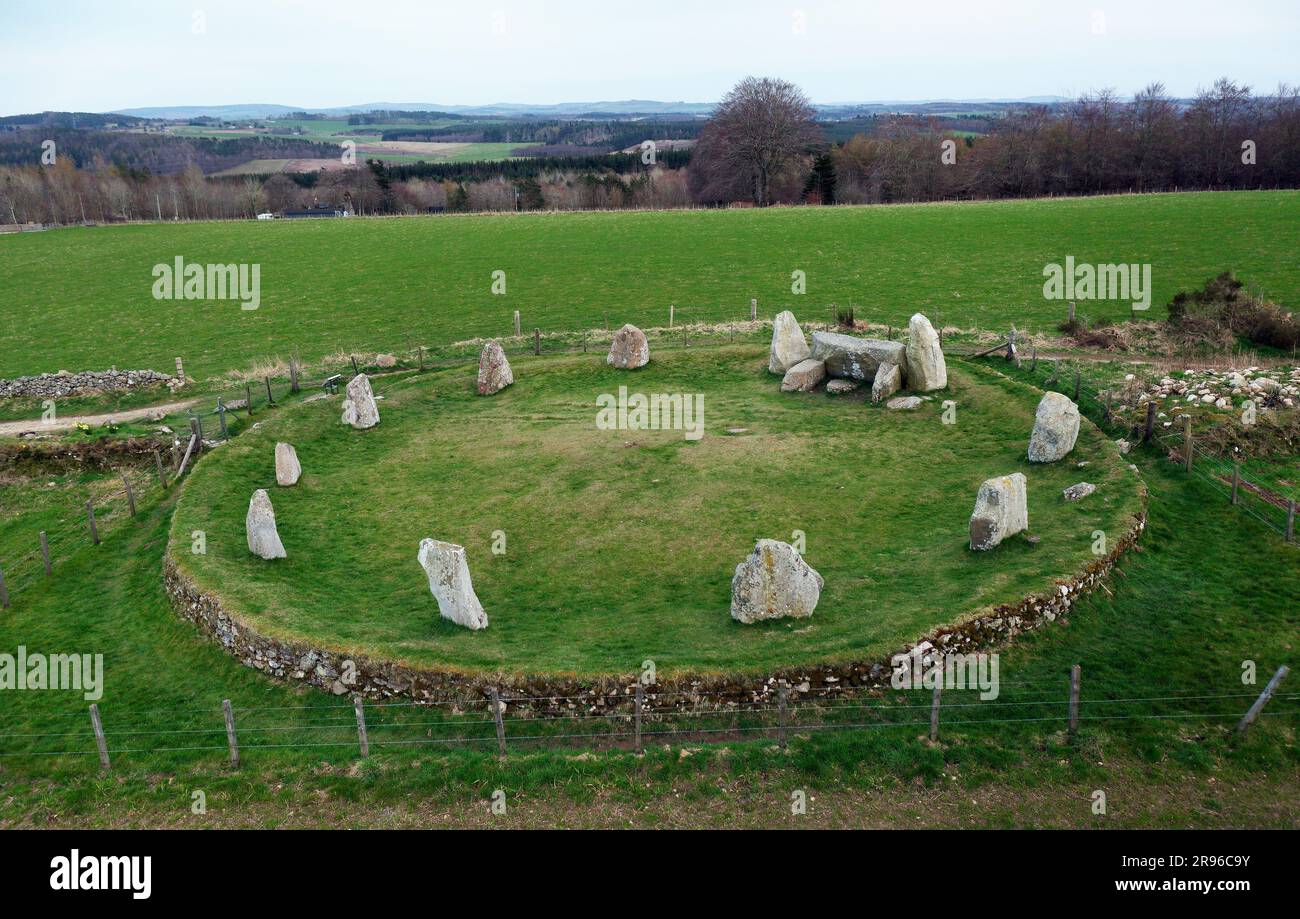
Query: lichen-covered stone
pixel 855 358
pixel 1056 428
pixel 259 526
pixel 803 376
pixel 448 572
pixel 494 372
pixel 789 346
pixel 1001 510
pixel 287 468
pixel 773 582
pixel 359 408
pixel 629 349
pixel 889 380
pixel 926 368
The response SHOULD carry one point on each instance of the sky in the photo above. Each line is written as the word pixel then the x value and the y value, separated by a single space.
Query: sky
pixel 115 54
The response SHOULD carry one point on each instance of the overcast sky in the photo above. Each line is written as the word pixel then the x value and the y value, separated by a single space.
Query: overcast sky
pixel 112 54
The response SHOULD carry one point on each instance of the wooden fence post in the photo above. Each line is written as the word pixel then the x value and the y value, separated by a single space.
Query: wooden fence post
pixel 270 399
pixel 98 726
pixel 672 313
pixel 180 370
pixel 934 707
pixel 1071 317
pixel 517 321
pixel 753 309
pixel 1290 520
pixel 781 694
pixel 130 495
pixel 1151 423
pixel 293 375
pixel 90 516
pixel 360 706
pixel 537 341
pixel 1236 480
pixel 496 715
pixel 230 732
pixel 1075 673
pixel 355 370
pixel 45 550
pixel 158 464
pixel 185 460
pixel 1076 386
pixel 4 591
pixel 221 414
pixel 1249 718
pixel 1033 359
pixel 1187 442
pixel 639 699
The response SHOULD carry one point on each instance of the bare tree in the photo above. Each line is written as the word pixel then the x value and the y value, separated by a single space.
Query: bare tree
pixel 757 131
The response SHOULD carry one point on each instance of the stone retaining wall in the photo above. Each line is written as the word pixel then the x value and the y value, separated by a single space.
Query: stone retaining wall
pixel 341 674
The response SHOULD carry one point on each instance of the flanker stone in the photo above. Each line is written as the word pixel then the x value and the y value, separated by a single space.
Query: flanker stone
pixel 1001 510
pixel 889 380
pixel 263 538
pixel 287 468
pixel 926 369
pixel 789 346
pixel 855 358
pixel 449 582
pixel 803 376
pixel 1056 427
pixel 359 408
pixel 629 349
pixel 494 372
pixel 773 582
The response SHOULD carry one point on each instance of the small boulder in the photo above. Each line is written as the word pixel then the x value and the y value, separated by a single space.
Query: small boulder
pixel 1056 427
pixel 259 525
pixel 789 346
pixel 926 369
pixel 889 380
pixel 494 372
pixel 904 403
pixel 1001 510
pixel 853 358
pixel 1081 490
pixel 287 468
pixel 629 349
pixel 803 376
pixel 359 408
pixel 448 574
pixel 385 360
pixel 772 582
pixel 842 387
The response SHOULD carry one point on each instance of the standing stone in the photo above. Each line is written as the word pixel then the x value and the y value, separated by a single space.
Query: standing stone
pixel 359 408
pixel 449 581
pixel 287 468
pixel 803 376
pixel 772 582
pixel 1001 510
pixel 494 372
pixel 1056 427
pixel 889 380
pixel 926 369
pixel 263 538
pixel 855 358
pixel 789 346
pixel 629 349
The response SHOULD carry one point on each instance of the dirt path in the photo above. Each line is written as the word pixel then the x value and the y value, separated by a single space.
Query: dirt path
pixel 64 422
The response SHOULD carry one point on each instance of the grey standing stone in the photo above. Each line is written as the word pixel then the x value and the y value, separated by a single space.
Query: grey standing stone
pixel 1056 427
pixel 259 525
pixel 773 582
pixel 359 408
pixel 789 346
pixel 629 349
pixel 889 380
pixel 448 572
pixel 494 372
pixel 1001 510
pixel 926 368
pixel 287 468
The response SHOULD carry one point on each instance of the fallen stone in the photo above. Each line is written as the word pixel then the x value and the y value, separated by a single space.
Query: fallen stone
pixel 889 380
pixel 1056 427
pixel 926 368
pixel 359 408
pixel 773 582
pixel 1001 510
pixel 494 372
pixel 1081 490
pixel 853 358
pixel 448 573
pixel 259 525
pixel 629 349
pixel 803 376
pixel 287 468
pixel 789 346
pixel 904 403
pixel 1123 446
pixel 385 360
pixel 842 387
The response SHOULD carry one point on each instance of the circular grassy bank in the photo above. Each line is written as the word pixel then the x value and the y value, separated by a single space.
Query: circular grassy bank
pixel 619 545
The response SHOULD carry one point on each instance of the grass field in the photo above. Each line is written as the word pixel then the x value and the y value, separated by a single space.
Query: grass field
pixel 81 298
pixel 621 544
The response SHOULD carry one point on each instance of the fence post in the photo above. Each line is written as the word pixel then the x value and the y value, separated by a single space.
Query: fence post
pixel 639 699
pixel 672 313
pixel 753 309
pixel 1187 442
pixel 934 707
pixel 1236 480
pixel 248 398
pixel 517 329
pixel 1151 423
pixel 496 715
pixel 1249 718
pixel 270 399
pixel 230 732
pixel 360 706
pixel 355 370
pixel 293 377
pixel 1033 360
pixel 180 370
pixel 90 516
pixel 158 464
pixel 45 551
pixel 130 495
pixel 221 414
pixel 4 591
pixel 780 708
pixel 98 725
pixel 1071 319
pixel 1290 520
pixel 537 341
pixel 1076 386
pixel 1075 673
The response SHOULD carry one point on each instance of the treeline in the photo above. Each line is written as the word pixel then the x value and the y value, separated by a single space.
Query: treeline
pixel 1224 138
pixel 613 134
pixel 533 166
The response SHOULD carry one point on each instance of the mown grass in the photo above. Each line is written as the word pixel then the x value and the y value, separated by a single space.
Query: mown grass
pixel 620 545
pixel 69 297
